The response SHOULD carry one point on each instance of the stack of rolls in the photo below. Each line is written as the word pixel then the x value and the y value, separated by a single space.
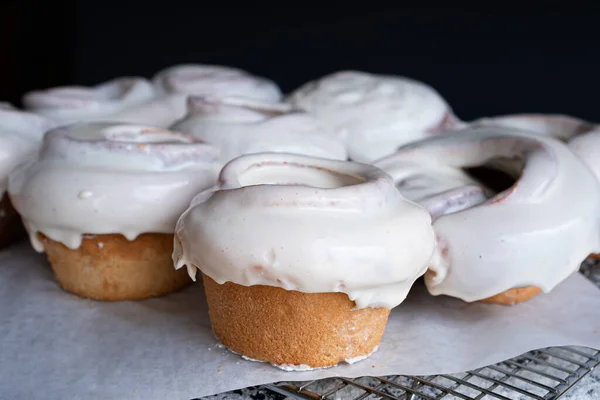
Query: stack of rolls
pixel 324 205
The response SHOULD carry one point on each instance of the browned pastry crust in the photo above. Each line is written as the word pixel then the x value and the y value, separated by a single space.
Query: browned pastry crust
pixel 513 296
pixel 110 267
pixel 288 327
pixel 11 226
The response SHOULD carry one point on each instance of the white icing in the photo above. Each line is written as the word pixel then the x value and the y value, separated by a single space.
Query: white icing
pixel 374 114
pixel 127 99
pixel 240 126
pixel 582 137
pixel 102 178
pixel 284 367
pixel 417 182
pixel 307 224
pixel 587 148
pixel 304 367
pixel 204 80
pixel 536 233
pixel 356 359
pixel 296 368
pixel 20 137
pixel 558 126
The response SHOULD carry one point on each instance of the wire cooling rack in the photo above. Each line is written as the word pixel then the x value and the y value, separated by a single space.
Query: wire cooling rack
pixel 544 374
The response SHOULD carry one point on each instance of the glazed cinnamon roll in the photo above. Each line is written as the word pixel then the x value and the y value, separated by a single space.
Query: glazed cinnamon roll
pixel 128 99
pixel 501 247
pixel 102 201
pixel 374 114
pixel 287 239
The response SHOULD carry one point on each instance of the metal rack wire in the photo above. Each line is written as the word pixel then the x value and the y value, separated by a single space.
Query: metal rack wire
pixel 538 375
pixel 544 374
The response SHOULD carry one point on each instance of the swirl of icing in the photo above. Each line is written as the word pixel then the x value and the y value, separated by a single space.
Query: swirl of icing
pixel 20 137
pixel 536 233
pixel 310 225
pixel 240 126
pixel 103 178
pixel 562 127
pixel 374 114
pixel 582 137
pixel 127 99
pixel 205 80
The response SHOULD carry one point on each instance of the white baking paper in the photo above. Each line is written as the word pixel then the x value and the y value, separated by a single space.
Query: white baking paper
pixel 54 345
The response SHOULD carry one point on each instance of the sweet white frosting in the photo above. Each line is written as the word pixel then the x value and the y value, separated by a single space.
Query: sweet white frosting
pixel 582 137
pixel 304 367
pixel 587 147
pixel 307 224
pixel 240 126
pixel 20 137
pixel 102 178
pixel 374 114
pixel 128 99
pixel 535 233
pixel 558 126
pixel 419 182
pixel 204 80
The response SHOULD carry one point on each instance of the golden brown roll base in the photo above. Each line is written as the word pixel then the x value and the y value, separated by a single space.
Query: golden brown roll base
pixel 110 267
pixel 11 226
pixel 513 296
pixel 288 327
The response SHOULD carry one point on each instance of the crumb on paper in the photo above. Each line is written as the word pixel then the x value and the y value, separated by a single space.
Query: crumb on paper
pixel 220 369
pixel 372 366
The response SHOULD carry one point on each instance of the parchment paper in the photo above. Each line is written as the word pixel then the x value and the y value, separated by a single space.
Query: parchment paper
pixel 54 345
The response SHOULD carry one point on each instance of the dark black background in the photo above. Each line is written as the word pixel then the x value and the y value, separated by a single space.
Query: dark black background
pixel 482 61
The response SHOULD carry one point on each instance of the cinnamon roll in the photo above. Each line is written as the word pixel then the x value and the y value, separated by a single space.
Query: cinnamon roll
pixel 374 114
pixel 502 247
pixel 128 99
pixel 102 201
pixel 287 239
